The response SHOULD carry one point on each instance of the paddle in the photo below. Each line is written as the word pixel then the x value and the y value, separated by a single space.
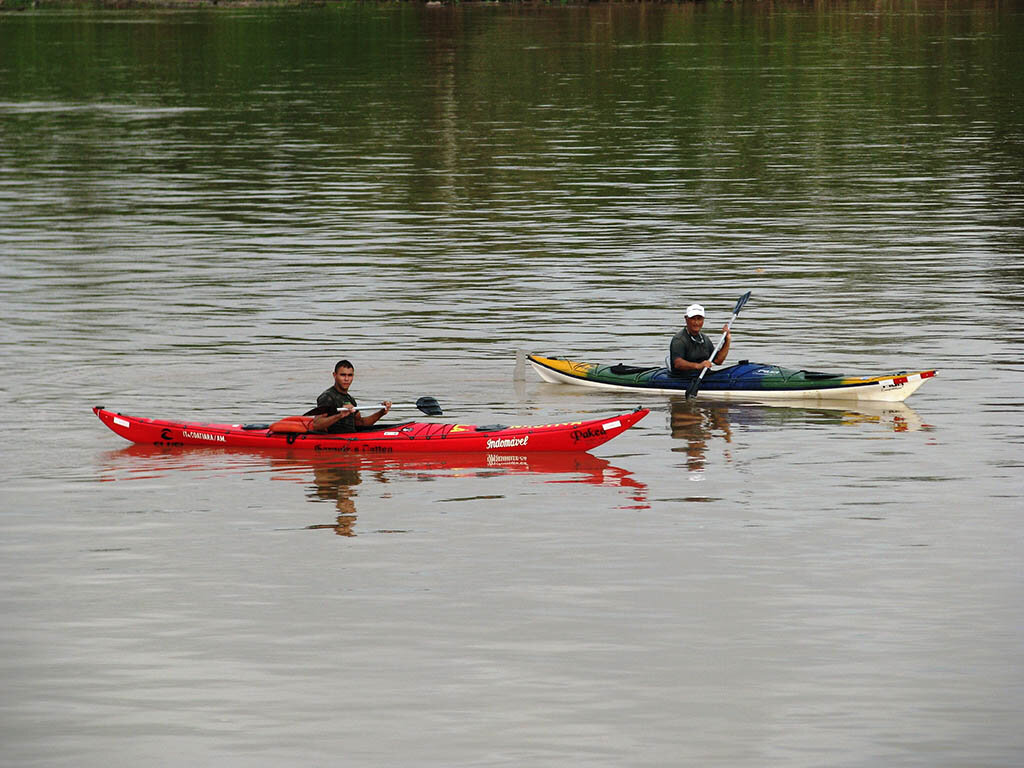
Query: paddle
pixel 691 391
pixel 428 405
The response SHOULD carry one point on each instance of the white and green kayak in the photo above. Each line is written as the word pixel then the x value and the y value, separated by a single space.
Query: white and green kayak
pixel 743 381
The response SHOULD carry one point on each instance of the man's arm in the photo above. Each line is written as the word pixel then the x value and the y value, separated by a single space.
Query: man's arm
pixel 323 421
pixel 680 364
pixel 373 418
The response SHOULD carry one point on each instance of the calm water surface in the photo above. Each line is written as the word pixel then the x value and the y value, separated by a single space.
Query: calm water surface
pixel 201 211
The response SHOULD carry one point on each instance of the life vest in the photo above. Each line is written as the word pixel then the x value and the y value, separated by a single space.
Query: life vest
pixel 292 425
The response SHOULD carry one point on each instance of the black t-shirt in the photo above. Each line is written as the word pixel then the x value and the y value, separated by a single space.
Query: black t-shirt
pixel 332 398
pixel 692 349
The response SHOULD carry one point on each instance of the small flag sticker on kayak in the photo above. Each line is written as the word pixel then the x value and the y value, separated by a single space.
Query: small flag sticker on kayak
pixel 611 425
pixel 122 422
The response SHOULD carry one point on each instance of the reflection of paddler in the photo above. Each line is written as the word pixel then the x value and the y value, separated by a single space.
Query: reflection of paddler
pixel 333 482
pixel 696 424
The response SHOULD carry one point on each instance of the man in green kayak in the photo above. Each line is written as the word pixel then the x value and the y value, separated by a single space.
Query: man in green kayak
pixel 690 349
pixel 336 410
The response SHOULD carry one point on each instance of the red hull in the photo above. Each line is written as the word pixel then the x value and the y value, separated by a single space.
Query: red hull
pixel 412 437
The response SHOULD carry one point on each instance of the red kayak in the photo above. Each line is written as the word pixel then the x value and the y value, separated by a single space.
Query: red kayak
pixel 408 437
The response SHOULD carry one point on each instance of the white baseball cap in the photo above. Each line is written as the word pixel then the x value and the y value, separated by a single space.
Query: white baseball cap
pixel 694 310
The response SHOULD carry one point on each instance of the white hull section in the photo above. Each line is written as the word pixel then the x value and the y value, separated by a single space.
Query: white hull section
pixel 885 390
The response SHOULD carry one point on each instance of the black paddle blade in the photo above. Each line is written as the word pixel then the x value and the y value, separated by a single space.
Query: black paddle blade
pixel 740 302
pixel 691 391
pixel 429 406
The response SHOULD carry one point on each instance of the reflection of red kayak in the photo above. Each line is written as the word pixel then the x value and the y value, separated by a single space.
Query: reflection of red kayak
pixel 410 437
pixel 147 461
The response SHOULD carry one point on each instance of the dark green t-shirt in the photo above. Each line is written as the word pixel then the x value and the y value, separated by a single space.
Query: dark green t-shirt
pixel 692 349
pixel 332 398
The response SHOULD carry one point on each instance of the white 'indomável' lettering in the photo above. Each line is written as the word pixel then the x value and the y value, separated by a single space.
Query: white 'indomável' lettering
pixel 507 442
pixel 202 436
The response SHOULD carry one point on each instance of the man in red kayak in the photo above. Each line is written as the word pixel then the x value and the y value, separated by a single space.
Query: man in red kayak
pixel 336 409
pixel 690 349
